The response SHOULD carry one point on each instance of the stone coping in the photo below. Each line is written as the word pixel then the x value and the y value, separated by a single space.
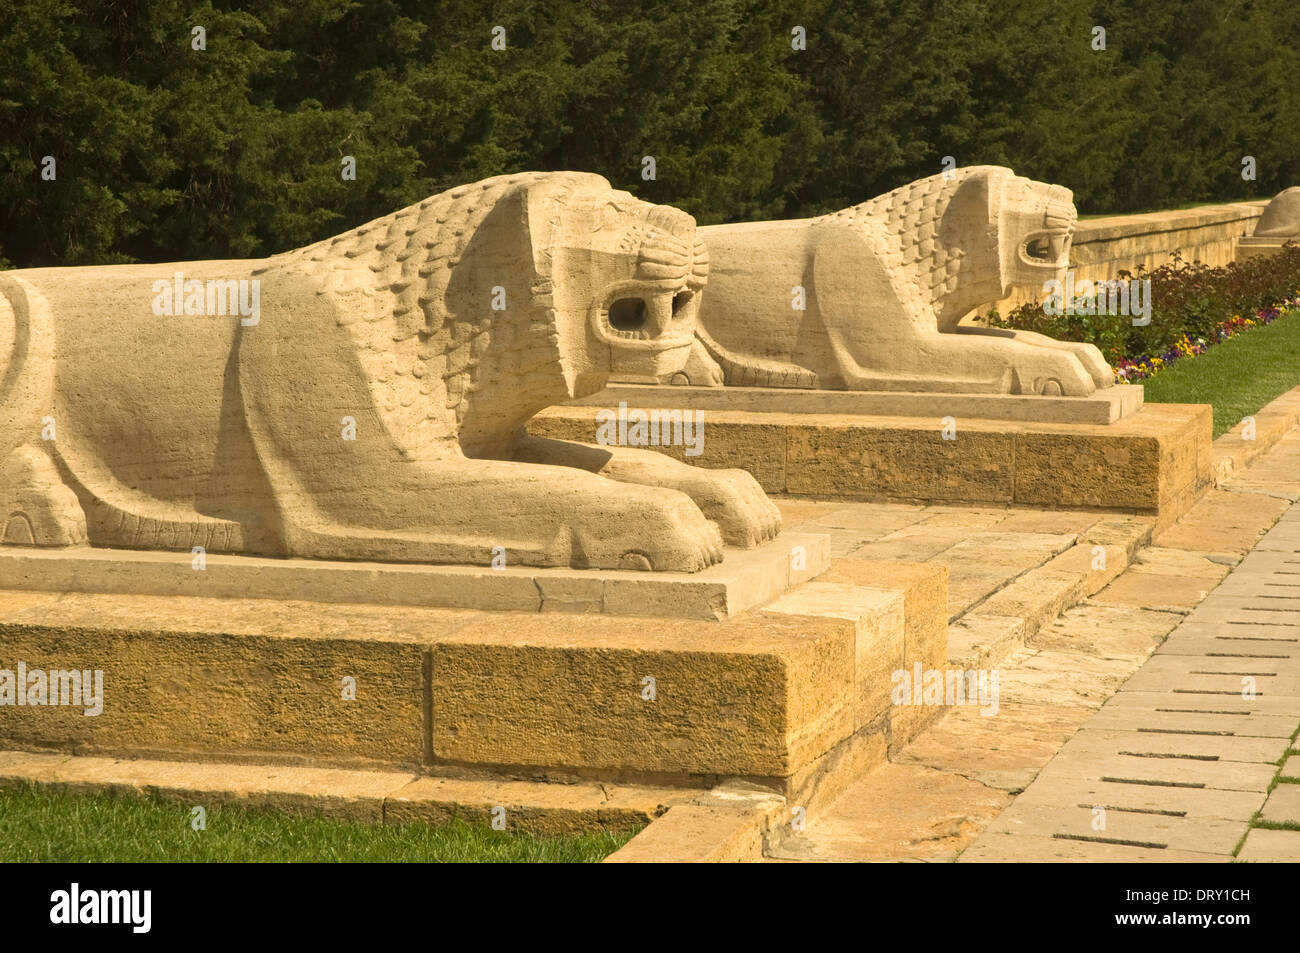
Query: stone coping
pixel 1103 407
pixel 743 580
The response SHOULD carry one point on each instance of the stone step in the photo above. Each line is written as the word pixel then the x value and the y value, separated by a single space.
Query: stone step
pixel 389 797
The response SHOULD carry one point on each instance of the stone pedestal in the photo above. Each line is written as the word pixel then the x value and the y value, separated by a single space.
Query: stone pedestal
pixel 1153 459
pixel 780 695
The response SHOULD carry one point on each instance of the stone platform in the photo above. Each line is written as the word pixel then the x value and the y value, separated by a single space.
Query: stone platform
pixel 743 580
pixel 1251 247
pixel 784 696
pixel 1102 407
pixel 1156 460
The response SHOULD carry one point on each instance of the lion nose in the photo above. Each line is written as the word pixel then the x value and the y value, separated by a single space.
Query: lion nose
pixel 659 315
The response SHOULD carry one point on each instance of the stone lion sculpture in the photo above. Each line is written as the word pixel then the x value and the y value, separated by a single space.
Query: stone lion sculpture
pixel 1281 218
pixel 369 399
pixel 869 298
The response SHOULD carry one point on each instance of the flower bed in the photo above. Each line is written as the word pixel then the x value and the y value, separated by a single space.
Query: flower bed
pixel 1193 307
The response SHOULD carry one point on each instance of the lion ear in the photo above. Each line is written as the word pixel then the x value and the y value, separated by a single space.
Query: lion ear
pixel 972 205
pixel 546 201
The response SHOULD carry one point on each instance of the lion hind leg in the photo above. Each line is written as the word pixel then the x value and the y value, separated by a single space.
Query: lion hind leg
pixel 37 508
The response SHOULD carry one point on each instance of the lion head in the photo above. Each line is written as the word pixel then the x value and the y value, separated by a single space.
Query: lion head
pixel 482 305
pixel 967 236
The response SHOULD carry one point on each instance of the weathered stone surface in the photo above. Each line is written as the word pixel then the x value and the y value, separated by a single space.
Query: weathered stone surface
pixel 886 283
pixel 1030 848
pixel 747 579
pixel 1265 846
pixel 1283 805
pixel 757 696
pixel 1223 522
pixel 710 832
pixel 366 796
pixel 1064 789
pixel 981 641
pixel 370 405
pixel 877 617
pixel 228 677
pixel 925 589
pixel 1100 407
pixel 1106 631
pixel 1217 748
pixel 1137 769
pixel 1004 751
pixel 1063 678
pixel 1093 824
pixel 898 812
pixel 1154 461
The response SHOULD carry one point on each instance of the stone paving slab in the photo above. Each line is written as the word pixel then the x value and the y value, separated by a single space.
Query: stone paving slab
pixel 1192 703
pixel 1291 768
pixel 1184 754
pixel 1111 631
pixel 1160 591
pixel 1223 522
pixel 1283 805
pixel 1257 643
pixel 1063 678
pixel 1227 685
pixel 1021 848
pixel 1072 762
pixel 1006 751
pixel 1203 664
pixel 1063 791
pixel 978 641
pixel 1102 741
pixel 1233 618
pixel 1195 722
pixel 898 811
pixel 1265 846
pixel 1095 823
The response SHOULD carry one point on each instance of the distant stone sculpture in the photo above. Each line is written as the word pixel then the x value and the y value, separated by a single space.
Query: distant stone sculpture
pixel 364 398
pixel 1281 218
pixel 870 298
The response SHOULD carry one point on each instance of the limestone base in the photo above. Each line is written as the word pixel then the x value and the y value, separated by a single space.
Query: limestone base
pixel 1156 460
pixel 1249 247
pixel 1103 407
pixel 777 696
pixel 743 580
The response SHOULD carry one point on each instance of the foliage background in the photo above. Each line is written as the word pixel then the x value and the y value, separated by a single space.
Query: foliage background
pixel 165 153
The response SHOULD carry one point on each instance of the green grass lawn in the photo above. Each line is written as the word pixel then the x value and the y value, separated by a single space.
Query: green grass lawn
pixel 1238 376
pixel 40 826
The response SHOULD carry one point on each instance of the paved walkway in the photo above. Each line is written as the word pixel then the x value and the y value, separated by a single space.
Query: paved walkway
pixel 1099 677
pixel 1176 765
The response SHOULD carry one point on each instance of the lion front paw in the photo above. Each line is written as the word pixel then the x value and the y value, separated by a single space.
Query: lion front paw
pixel 1053 373
pixel 734 500
pixel 645 528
